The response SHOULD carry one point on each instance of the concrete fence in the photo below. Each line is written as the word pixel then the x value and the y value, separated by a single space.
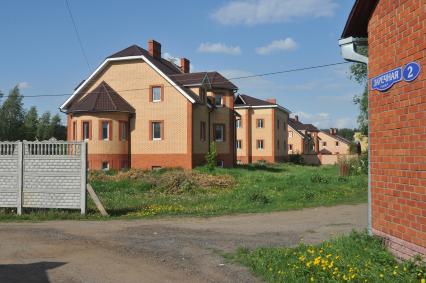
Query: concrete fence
pixel 325 159
pixel 43 175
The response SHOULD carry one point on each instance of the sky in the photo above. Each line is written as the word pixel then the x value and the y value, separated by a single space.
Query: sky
pixel 40 52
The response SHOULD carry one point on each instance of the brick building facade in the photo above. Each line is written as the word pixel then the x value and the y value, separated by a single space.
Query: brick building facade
pixel 396 32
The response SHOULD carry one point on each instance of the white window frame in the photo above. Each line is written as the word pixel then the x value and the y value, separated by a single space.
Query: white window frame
pixel 105 168
pixel 219 163
pixel 258 143
pixel 153 131
pixel 108 133
pixel 238 123
pixel 153 96
pixel 221 100
pixel 239 144
pixel 290 134
pixel 124 134
pixel 88 131
pixel 222 135
pixel 259 123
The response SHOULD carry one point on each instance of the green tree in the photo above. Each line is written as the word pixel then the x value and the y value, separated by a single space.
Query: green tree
pixel 31 124
pixel 59 131
pixel 347 133
pixel 44 128
pixel 211 156
pixel 12 116
pixel 359 73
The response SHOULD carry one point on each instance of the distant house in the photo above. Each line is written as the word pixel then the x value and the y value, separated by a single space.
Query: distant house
pixel 302 138
pixel 331 143
pixel 139 110
pixel 261 130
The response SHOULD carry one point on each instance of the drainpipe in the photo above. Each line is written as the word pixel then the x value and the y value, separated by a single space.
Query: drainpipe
pixel 349 46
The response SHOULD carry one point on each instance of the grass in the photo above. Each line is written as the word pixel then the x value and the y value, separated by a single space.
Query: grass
pixel 354 258
pixel 244 189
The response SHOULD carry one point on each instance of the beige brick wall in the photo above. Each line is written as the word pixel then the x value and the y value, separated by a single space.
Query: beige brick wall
pixel 342 148
pixel 281 134
pixel 131 80
pixel 295 140
pixel 264 133
pixel 200 113
pixel 95 145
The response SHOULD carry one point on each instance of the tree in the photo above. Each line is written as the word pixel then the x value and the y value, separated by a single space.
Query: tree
pixel 347 133
pixel 12 116
pixel 31 124
pixel 59 131
pixel 359 74
pixel 44 128
pixel 211 156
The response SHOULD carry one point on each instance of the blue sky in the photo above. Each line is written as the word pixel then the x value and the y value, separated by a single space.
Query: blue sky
pixel 40 51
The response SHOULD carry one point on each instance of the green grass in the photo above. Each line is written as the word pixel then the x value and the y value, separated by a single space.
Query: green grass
pixel 354 258
pixel 256 188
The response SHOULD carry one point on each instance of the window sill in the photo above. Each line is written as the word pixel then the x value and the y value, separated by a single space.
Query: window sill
pixel 156 101
pixel 157 139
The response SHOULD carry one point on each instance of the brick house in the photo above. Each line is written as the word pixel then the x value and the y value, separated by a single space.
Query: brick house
pixel 330 143
pixel 302 138
pixel 261 130
pixel 139 110
pixel 396 37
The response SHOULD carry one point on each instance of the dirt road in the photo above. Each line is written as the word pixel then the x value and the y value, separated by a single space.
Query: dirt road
pixel 165 250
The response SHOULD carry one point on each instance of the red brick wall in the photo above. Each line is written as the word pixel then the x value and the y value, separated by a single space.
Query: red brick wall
pixel 398 127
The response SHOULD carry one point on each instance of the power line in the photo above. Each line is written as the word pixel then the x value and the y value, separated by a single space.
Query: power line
pixel 230 79
pixel 78 35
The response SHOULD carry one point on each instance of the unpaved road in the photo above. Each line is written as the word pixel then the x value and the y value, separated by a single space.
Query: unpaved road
pixel 165 250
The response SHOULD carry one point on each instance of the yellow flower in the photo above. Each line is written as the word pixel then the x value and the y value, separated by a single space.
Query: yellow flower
pixel 423 280
pixel 312 279
pixel 381 275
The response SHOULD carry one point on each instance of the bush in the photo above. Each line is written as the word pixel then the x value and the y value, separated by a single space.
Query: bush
pixel 296 158
pixel 354 166
pixel 211 156
pixel 259 198
pixel 318 178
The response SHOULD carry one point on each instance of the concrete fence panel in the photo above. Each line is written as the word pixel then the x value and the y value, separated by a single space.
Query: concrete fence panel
pixel 43 175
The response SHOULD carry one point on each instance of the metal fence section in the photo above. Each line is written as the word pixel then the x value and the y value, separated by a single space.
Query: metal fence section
pixel 47 174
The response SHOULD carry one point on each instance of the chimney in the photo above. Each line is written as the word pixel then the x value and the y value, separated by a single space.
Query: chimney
pixel 272 100
pixel 154 48
pixel 184 65
pixel 333 131
pixel 296 118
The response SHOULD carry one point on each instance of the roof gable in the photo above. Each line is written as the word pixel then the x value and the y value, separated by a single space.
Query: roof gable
pixel 244 101
pixel 357 24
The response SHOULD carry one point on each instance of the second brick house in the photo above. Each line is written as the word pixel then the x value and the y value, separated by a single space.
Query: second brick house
pixel 261 130
pixel 139 110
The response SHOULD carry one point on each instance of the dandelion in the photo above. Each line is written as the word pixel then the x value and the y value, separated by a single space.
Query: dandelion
pixel 423 280
pixel 381 275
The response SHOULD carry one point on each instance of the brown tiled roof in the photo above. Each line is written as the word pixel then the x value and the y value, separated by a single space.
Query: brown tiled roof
pixel 251 101
pixel 215 79
pixel 102 99
pixel 299 126
pixel 357 24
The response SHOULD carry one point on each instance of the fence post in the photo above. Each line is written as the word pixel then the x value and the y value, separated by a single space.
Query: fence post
pixel 20 176
pixel 83 158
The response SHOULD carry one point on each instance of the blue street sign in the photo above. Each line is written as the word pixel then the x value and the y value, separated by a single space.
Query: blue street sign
pixel 411 71
pixel 385 81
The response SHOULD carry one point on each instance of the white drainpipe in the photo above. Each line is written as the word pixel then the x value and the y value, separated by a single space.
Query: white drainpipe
pixel 348 47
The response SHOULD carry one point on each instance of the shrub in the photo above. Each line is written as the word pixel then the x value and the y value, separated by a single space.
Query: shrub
pixel 318 178
pixel 353 166
pixel 296 158
pixel 259 198
pixel 211 156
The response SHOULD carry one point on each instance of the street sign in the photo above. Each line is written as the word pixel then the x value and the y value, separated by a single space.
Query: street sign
pixel 411 71
pixel 385 81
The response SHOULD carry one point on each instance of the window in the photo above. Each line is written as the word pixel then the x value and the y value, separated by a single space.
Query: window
pixel 290 134
pixel 290 147
pixel 86 131
pixel 239 162
pixel 156 131
pixel 203 131
pixel 337 143
pixel 219 163
pixel 238 123
pixel 202 94
pixel 106 130
pixel 105 165
pixel 260 144
pixel 259 123
pixel 74 130
pixel 324 143
pixel 156 93
pixel 238 144
pixel 219 133
pixel 278 123
pixel 218 100
pixel 123 131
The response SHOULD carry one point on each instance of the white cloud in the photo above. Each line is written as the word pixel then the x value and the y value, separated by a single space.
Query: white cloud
pixel 344 123
pixel 287 44
pixel 251 12
pixel 22 85
pixel 218 47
